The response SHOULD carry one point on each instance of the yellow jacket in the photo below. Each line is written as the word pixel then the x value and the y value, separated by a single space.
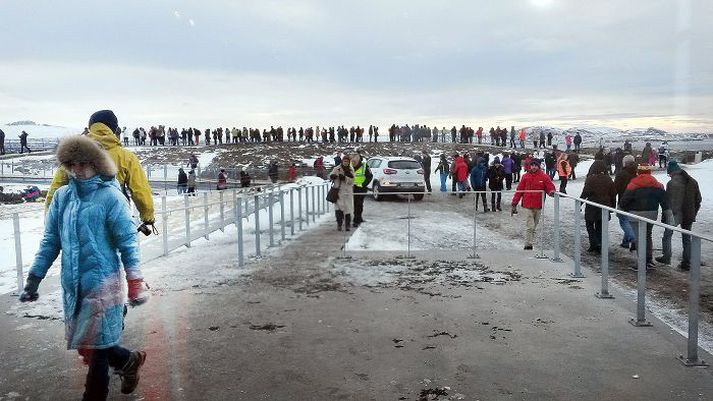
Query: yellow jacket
pixel 130 173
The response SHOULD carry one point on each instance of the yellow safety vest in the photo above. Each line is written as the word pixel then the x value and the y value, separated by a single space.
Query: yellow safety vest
pixel 360 175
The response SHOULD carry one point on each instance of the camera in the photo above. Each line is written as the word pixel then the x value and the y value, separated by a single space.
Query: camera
pixel 144 228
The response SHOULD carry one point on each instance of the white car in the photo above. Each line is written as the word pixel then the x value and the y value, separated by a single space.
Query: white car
pixel 396 174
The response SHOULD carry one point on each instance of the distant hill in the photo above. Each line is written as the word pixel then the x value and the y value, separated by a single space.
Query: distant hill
pixel 37 131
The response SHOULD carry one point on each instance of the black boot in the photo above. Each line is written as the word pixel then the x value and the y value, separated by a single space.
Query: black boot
pixel 340 218
pixel 347 222
pixel 130 372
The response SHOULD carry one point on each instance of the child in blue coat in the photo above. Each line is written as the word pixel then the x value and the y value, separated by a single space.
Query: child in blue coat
pixel 89 220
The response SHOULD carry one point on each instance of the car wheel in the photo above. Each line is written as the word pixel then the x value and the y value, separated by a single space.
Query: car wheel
pixel 376 192
pixel 418 197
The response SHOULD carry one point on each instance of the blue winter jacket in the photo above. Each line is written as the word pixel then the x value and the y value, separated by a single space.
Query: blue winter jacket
pixel 479 174
pixel 89 221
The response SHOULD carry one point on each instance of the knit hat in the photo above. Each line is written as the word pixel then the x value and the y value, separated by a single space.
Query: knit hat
pixel 535 162
pixel 106 117
pixel 643 169
pixel 628 159
pixel 496 160
pixel 672 166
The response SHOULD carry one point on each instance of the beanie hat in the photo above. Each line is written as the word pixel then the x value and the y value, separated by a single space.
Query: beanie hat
pixel 672 166
pixel 628 159
pixel 106 117
pixel 535 162
pixel 80 149
pixel 644 169
pixel 496 160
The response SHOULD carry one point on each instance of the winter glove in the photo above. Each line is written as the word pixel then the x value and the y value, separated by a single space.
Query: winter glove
pixel 29 294
pixel 514 210
pixel 138 292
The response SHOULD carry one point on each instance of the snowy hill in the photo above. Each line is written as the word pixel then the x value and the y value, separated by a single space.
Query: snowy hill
pixel 592 135
pixel 37 131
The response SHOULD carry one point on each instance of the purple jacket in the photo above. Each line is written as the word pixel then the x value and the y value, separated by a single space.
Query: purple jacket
pixel 508 165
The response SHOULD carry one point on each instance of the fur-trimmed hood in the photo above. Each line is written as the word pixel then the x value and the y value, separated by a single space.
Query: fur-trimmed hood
pixel 77 148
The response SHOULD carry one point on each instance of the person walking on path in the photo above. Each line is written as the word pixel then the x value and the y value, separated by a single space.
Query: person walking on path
pixel 192 183
pixel 573 159
pixel 642 197
pixel 508 167
pixel 2 142
pixel 478 181
pixel 222 180
pixel 599 188
pixel 459 174
pixel 131 177
pixel 563 171
pixel 362 179
pixel 23 142
pixel 685 199
pixel 444 169
pixel 426 163
pixel 89 221
pixel 496 175
pixel 342 177
pixel 534 180
pixel 273 171
pixel 621 180
pixel 182 181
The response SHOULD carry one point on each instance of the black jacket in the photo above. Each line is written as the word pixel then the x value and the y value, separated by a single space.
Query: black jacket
pixel 182 177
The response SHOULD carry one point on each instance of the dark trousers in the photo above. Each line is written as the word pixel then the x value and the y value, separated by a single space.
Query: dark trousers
pixel 594 229
pixel 96 387
pixel 516 174
pixel 481 196
pixel 493 197
pixel 508 181
pixel 649 238
pixel 427 178
pixel 359 195
pixel 342 218
pixel 563 184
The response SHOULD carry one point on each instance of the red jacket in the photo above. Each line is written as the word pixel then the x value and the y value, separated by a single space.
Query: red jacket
pixel 460 169
pixel 291 174
pixel 533 182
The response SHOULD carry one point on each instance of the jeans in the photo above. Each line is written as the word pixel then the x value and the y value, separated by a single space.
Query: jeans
pixel 626 228
pixel 99 360
pixel 444 177
pixel 649 239
pixel 685 240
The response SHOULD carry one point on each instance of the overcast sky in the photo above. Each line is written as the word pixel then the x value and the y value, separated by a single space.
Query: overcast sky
pixel 619 63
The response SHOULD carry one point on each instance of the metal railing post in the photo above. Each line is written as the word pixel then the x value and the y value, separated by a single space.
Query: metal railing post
pixel 165 178
pixel 640 320
pixel 222 212
pixel 187 206
pixel 542 255
pixel 292 211
pixel 694 291
pixel 235 198
pixel 475 230
pixel 164 225
pixel 556 257
pixel 205 211
pixel 239 227
pixel 282 215
pixel 604 251
pixel 307 205
pixel 314 206
pixel 257 225
pixel 299 206
pixel 577 240
pixel 270 219
pixel 408 219
pixel 18 251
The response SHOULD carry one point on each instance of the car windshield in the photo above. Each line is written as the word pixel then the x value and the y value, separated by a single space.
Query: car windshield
pixel 405 164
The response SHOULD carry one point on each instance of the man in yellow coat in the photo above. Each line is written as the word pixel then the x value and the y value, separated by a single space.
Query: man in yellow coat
pixel 102 128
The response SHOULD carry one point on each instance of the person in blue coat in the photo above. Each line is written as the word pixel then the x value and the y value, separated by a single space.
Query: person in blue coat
pixel 89 220
pixel 478 180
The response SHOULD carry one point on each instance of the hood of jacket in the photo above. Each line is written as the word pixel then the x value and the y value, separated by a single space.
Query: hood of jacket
pixel 643 181
pixel 103 135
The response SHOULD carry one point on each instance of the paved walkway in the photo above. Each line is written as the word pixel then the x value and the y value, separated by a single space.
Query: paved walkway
pixel 302 325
